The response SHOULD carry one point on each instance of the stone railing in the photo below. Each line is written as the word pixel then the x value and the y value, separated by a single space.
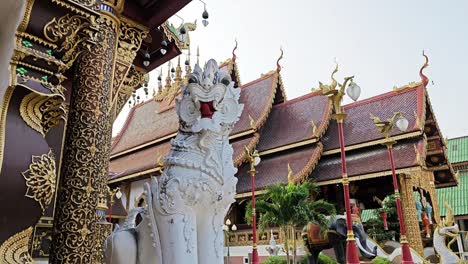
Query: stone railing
pixel 245 237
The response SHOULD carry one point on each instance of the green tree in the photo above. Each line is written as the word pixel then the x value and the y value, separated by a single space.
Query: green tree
pixel 376 227
pixel 289 206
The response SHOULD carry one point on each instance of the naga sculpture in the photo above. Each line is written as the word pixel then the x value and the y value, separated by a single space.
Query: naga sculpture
pixel 182 221
pixel 448 229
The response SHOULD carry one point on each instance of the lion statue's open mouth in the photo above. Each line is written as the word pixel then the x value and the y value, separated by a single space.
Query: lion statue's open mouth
pixel 207 110
pixel 209 102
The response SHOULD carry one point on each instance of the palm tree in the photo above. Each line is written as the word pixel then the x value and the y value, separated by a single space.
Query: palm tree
pixel 288 206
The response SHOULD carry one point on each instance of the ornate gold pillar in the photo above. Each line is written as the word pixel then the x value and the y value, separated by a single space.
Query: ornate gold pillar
pixel 413 232
pixel 83 187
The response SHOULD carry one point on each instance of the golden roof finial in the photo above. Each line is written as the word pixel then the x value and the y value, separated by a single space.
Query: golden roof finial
pixel 424 78
pixel 290 175
pixel 168 78
pixel 160 87
pixel 178 73
pixel 234 52
pixel 278 66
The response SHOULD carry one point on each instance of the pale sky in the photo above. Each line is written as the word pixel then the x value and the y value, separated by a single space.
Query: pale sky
pixel 380 42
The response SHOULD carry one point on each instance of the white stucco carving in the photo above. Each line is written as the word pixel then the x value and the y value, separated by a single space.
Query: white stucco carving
pixel 182 223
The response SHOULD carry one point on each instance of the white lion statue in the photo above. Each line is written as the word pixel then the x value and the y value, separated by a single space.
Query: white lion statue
pixel 182 221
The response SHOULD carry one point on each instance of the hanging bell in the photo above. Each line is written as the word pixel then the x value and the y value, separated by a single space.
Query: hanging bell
pixel 146 63
pixel 205 17
pixel 182 30
pixel 205 14
pixel 163 51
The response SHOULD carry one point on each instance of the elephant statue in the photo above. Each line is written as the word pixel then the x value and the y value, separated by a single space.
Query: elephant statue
pixel 336 238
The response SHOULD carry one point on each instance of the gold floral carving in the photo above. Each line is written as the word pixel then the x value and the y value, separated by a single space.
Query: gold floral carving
pixel 42 112
pixel 15 249
pixel 409 211
pixel 130 39
pixel 71 31
pixel 134 79
pixel 83 182
pixel 41 179
pixel 82 7
pixel 63 27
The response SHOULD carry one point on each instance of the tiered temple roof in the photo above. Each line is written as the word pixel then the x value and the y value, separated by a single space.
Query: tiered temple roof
pixel 457 196
pixel 297 136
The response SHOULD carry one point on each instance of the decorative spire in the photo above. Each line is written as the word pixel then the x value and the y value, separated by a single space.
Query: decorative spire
pixel 168 78
pixel 278 66
pixel 178 73
pixel 290 175
pixel 198 55
pixel 234 52
pixel 188 68
pixel 424 78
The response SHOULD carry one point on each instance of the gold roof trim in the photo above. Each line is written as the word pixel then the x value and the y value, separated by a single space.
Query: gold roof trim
pixel 134 175
pixel 373 143
pixel 370 175
pixel 243 155
pixel 144 145
pixel 289 146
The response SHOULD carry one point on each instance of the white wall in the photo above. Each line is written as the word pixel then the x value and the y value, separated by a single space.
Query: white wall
pixel 11 13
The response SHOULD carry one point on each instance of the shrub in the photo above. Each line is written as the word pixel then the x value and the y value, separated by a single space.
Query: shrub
pixel 275 260
pixel 324 259
pixel 380 260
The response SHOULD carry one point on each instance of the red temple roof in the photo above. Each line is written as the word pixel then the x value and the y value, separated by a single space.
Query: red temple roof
pixel 360 128
pixel 257 97
pixel 291 122
pixel 273 169
pixel 368 161
pixel 283 132
pixel 143 125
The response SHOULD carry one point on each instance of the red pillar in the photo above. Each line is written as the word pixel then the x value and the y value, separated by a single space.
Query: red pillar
pixel 405 249
pixel 352 255
pixel 255 259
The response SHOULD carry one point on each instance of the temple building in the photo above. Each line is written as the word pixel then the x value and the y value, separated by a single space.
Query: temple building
pixel 297 137
pixel 68 67
pixel 457 196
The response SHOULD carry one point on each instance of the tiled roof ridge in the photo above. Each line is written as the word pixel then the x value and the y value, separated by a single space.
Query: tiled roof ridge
pixel 261 78
pixel 298 99
pixel 311 164
pixel 242 156
pixel 281 86
pixel 124 128
pixel 231 64
pixel 266 112
pixel 380 97
pixel 457 138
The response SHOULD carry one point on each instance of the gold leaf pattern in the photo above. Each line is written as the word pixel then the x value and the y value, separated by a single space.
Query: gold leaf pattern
pixel 15 249
pixel 41 179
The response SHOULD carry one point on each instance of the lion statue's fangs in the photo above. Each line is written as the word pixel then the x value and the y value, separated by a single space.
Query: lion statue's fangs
pixel 182 221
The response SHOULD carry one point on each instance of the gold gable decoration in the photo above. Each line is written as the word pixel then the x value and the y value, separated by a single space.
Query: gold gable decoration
pixel 42 112
pixel 15 249
pixel 41 179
